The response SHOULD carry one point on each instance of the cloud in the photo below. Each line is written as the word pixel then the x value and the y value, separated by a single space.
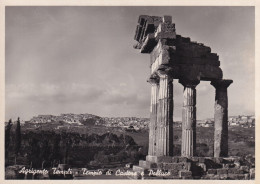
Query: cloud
pixel 75 92
pixel 122 84
pixel 47 92
pixel 67 59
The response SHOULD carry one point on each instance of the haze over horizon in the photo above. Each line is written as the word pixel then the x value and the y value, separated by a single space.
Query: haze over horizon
pixel 176 119
pixel 82 60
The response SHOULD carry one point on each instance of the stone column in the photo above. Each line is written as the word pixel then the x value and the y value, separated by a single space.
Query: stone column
pixel 221 118
pixel 188 147
pixel 153 116
pixel 164 140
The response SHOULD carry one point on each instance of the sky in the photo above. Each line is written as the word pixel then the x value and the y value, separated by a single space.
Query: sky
pixel 82 60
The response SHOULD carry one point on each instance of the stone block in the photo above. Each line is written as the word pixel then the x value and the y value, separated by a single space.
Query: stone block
pixel 229 159
pixel 210 72
pixel 142 163
pixel 175 159
pixel 215 177
pixel 153 165
pixel 222 171
pixel 223 176
pixel 212 62
pixel 237 164
pixel 168 31
pixel 185 173
pixel 213 56
pixel 151 158
pixel 240 176
pixel 232 176
pixel 185 39
pixel 235 171
pixel 247 176
pixel 170 166
pixel 194 159
pixel 211 175
pixel 201 159
pixel 187 166
pixel 165 56
pixel 212 171
pixel 202 165
pixel 226 166
pixel 237 176
pixel 229 165
pixel 174 172
pixel 244 168
pixel 148 44
pixel 252 176
pixel 211 159
pixel 219 160
pixel 183 159
pixel 210 164
pixel 167 19
pixel 160 165
pixel 237 159
pixel 252 170
pixel 138 169
pixel 252 173
pixel 147 164
pixel 164 159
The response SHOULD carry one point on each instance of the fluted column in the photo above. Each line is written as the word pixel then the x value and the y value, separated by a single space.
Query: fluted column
pixel 153 116
pixel 221 118
pixel 188 147
pixel 164 140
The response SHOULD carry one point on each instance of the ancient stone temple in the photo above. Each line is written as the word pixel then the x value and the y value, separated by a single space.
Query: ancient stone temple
pixel 174 57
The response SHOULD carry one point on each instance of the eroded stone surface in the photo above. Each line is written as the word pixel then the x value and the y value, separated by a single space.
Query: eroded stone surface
pixel 221 118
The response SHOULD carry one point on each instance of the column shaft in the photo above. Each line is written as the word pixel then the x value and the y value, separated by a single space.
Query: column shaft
pixel 189 122
pixel 164 143
pixel 221 124
pixel 153 120
pixel 221 118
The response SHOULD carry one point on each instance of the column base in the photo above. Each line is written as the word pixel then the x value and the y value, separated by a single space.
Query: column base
pixel 151 158
pixel 158 159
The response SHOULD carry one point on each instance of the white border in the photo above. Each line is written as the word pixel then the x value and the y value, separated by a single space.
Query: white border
pixel 4 3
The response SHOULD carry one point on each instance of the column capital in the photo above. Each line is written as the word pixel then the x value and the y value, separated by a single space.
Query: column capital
pixel 166 72
pixel 223 83
pixel 153 80
pixel 189 83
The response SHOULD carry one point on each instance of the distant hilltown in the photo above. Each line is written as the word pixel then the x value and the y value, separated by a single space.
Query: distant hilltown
pixel 240 120
pixel 135 123
pixel 84 119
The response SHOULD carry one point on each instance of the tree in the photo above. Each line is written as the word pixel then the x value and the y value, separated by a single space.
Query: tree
pixel 34 151
pixel 55 155
pixel 66 144
pixel 45 151
pixel 7 138
pixel 17 139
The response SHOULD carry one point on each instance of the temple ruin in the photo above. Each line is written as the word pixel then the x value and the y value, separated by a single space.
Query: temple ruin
pixel 175 57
